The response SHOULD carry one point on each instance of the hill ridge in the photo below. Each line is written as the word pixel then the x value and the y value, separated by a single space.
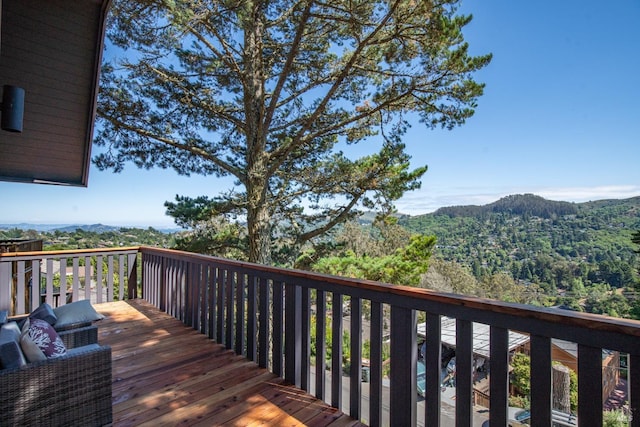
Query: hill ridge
pixel 528 205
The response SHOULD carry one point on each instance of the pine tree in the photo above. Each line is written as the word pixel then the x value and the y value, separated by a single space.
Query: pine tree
pixel 268 92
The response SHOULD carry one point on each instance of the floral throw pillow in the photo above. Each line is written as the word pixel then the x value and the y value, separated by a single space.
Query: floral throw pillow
pixel 46 338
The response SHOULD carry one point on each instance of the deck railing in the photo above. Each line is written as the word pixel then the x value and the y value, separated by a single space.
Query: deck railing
pixel 267 314
pixel 29 278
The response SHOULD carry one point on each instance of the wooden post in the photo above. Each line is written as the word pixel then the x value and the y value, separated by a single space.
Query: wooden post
pixel 5 286
pixel 133 276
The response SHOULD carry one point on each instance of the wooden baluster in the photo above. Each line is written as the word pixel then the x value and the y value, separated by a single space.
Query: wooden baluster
pixel 464 376
pixel 240 325
pixel 433 358
pixel 540 380
pixel 293 334
pixel 355 383
pixel 122 280
pixel 499 379
pixel 589 384
pixel 306 340
pixel 21 283
pixel 230 312
pixel 375 365
pixel 404 359
pixel 99 283
pixel 633 378
pixel 263 336
pixel 109 277
pixel 336 351
pixel 220 292
pixel 321 347
pixel 252 318
pixel 278 302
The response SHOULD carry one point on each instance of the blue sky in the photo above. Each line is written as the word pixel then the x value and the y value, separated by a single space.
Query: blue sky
pixel 559 118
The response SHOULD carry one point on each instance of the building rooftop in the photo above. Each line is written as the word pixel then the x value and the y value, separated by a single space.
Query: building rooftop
pixel 480 336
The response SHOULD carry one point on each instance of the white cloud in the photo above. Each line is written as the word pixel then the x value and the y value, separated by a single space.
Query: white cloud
pixel 584 194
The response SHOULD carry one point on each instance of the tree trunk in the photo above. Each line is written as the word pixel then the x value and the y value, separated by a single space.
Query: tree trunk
pixel 258 221
pixel 561 388
pixel 259 231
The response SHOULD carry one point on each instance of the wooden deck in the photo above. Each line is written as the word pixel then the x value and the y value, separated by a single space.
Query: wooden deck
pixel 167 374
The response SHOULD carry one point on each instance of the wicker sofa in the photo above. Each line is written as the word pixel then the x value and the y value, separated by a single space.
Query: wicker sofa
pixel 69 390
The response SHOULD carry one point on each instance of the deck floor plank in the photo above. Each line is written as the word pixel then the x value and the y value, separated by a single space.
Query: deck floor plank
pixel 168 374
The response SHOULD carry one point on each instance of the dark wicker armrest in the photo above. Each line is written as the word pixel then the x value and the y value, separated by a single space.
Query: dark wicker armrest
pixel 79 337
pixel 71 326
pixel 71 390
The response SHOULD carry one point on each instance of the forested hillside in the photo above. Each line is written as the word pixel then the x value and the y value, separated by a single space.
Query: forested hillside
pixel 559 246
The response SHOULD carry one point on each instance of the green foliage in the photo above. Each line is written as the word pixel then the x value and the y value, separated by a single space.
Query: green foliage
pixel 635 239
pixel 346 347
pixel 378 252
pixel 614 305
pixel 521 373
pixel 386 355
pixel 520 401
pixel 501 286
pixel 215 236
pixel 346 343
pixel 14 234
pixel 615 418
pixel 404 267
pixel 382 237
pixel 268 94
pixel 446 276
pixel 328 338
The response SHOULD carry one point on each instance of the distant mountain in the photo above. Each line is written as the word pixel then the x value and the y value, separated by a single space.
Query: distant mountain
pixel 94 228
pixel 70 228
pixel 519 204
pixel 37 227
pixel 633 202
pixel 558 244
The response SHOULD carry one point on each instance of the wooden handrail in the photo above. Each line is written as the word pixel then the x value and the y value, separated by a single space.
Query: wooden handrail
pixel 57 253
